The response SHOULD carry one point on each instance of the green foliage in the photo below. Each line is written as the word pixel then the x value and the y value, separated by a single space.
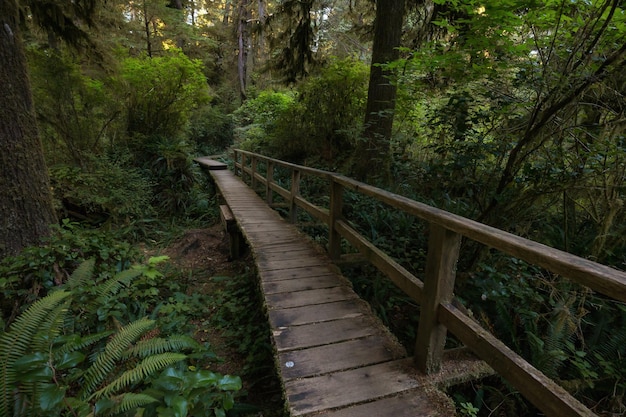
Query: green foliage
pixel 37 270
pixel 322 120
pixel 51 362
pixel 78 115
pixel 256 119
pixel 162 92
pixel 211 129
pixel 241 321
pixel 106 191
pixel 325 118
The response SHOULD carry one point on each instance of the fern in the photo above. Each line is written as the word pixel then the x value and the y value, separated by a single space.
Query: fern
pixel 145 368
pixel 82 276
pixel 17 341
pixel 113 352
pixel 113 285
pixel 79 343
pixel 130 401
pixel 158 345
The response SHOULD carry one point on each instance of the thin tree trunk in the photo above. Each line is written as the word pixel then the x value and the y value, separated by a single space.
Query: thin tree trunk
pixel 243 37
pixel 373 152
pixel 147 28
pixel 26 210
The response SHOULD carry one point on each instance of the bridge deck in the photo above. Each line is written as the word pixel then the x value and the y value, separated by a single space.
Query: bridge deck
pixel 334 356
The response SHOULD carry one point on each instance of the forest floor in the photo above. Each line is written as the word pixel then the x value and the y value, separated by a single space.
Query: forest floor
pixel 203 256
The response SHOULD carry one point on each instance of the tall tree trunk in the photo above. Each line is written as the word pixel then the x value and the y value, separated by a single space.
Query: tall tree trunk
pixel 26 210
pixel 243 39
pixel 147 28
pixel 373 152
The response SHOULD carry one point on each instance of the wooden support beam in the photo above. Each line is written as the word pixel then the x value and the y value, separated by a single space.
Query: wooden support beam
pixel 443 253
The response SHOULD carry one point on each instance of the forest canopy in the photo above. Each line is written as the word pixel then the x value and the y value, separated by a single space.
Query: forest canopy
pixel 509 112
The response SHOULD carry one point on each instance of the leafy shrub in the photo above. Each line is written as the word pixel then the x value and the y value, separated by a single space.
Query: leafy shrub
pixel 326 117
pixel 77 114
pixel 37 270
pixel 211 129
pixel 62 367
pixel 162 92
pixel 106 190
pixel 255 120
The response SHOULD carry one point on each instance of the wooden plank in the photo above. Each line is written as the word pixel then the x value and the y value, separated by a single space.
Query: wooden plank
pixel 418 402
pixel 211 164
pixel 294 273
pixel 309 297
pixel 317 334
pixel 337 357
pixel 313 314
pixel 280 264
pixel 302 284
pixel 284 253
pixel 341 389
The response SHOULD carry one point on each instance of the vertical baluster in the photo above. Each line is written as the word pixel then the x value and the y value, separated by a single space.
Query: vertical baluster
pixel 443 253
pixel 253 167
pixel 295 191
pixel 335 213
pixel 268 185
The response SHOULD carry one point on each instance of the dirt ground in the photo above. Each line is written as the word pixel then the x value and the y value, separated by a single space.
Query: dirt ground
pixel 204 253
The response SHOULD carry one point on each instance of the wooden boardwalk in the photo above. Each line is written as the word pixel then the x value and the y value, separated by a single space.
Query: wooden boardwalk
pixel 334 356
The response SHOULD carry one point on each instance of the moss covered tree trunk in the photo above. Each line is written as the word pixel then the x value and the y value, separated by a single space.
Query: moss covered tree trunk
pixel 26 210
pixel 373 152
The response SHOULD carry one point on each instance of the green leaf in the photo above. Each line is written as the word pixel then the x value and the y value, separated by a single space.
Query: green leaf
pixel 180 406
pixel 51 396
pixel 69 360
pixel 230 383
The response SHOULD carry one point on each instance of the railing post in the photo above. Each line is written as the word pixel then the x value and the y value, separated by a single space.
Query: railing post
pixel 253 166
pixel 269 197
pixel 235 153
pixel 243 167
pixel 295 191
pixel 335 213
pixel 443 253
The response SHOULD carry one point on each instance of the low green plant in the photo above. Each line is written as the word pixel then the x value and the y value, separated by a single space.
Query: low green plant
pixel 52 363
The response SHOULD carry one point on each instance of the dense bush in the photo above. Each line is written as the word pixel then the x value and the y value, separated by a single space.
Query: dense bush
pixel 321 121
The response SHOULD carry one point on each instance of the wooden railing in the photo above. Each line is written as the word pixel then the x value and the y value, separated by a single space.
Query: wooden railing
pixel 437 313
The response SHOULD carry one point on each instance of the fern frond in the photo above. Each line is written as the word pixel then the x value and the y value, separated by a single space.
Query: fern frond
pixel 50 328
pixel 18 339
pixel 113 285
pixel 130 401
pixel 113 352
pixel 82 342
pixel 175 343
pixel 145 368
pixel 83 275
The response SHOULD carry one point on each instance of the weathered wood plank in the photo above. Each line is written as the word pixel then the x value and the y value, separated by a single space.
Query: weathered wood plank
pixel 302 284
pixel 211 164
pixel 420 402
pixel 314 314
pixel 286 264
pixel 354 386
pixel 318 334
pixel 309 297
pixel 337 357
pixel 294 273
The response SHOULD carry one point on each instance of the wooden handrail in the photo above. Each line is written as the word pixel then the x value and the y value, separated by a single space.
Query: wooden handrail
pixel 436 292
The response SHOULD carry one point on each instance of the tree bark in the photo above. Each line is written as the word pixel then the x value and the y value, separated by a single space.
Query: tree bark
pixel 373 152
pixel 243 39
pixel 26 209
